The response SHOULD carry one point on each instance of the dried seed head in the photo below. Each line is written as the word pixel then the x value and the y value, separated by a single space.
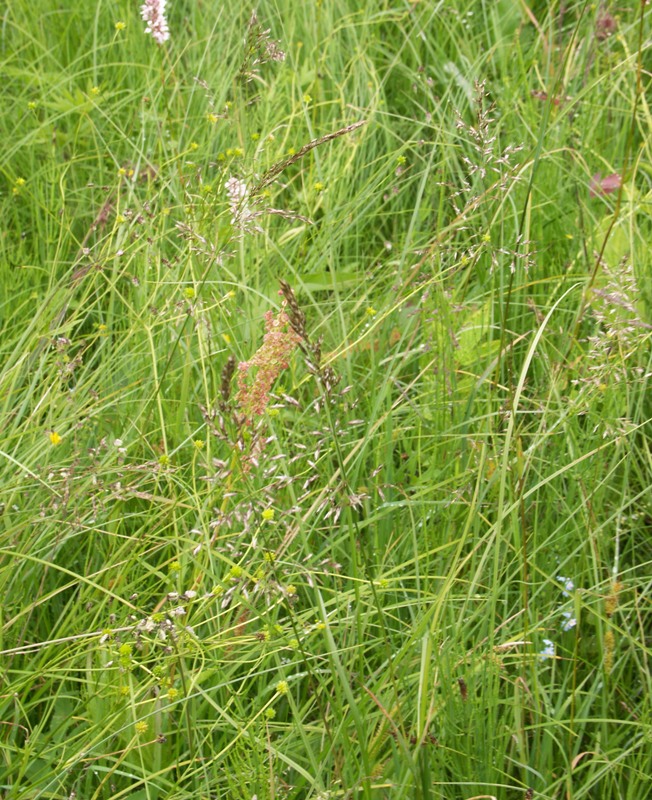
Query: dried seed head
pixel 227 377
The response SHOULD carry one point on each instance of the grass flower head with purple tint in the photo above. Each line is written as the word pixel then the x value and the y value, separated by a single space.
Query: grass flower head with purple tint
pixel 268 362
pixel 153 13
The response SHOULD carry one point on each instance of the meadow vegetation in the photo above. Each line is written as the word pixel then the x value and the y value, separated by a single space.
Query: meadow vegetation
pixel 325 445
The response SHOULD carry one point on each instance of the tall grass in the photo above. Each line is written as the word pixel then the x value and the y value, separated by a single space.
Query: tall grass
pixel 422 568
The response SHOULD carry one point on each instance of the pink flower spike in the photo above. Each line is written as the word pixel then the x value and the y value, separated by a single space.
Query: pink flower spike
pixel 607 185
pixel 153 13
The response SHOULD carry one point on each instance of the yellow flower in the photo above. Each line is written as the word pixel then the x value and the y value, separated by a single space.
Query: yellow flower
pixel 55 438
pixel 199 443
pixel 141 728
pixel 95 90
pixel 211 117
pixel 282 687
pixel 268 514
pixel 120 26
pixel 319 186
pixel 194 146
pixel 307 98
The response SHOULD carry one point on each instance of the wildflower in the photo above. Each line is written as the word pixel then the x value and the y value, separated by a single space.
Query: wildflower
pixel 153 13
pixel 605 26
pixel 401 161
pixel 235 572
pixel 194 146
pixel 55 438
pixel 270 713
pixel 163 460
pixel 120 26
pixel 269 557
pixel 548 651
pixel 307 98
pixel 282 687
pixel 95 90
pixel 199 444
pixel 569 586
pixel 212 117
pixel 31 105
pixel 175 566
pixel 268 514
pixel 237 193
pixel 189 293
pixel 371 311
pixel 569 621
pixel 125 650
pixel 319 186
pixel 607 185
pixel 141 727
pixel 173 694
pixel 18 185
pixel 291 590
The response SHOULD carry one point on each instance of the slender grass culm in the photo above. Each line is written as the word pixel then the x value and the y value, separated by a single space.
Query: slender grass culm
pixel 324 394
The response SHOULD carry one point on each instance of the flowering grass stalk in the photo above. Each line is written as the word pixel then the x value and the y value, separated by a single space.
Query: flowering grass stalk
pixel 268 362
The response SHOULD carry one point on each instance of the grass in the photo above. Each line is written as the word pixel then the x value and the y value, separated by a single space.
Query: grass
pixel 423 571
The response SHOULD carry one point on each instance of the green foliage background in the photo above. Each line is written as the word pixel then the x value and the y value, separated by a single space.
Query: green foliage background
pixel 352 596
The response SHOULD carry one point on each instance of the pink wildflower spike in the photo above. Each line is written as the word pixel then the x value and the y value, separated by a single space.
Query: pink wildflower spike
pixel 607 185
pixel 153 13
